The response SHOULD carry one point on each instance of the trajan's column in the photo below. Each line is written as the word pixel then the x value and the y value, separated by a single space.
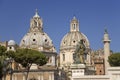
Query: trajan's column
pixel 106 41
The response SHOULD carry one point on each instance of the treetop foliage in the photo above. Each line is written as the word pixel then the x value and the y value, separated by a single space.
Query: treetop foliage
pixel 2 58
pixel 114 59
pixel 2 50
pixel 26 57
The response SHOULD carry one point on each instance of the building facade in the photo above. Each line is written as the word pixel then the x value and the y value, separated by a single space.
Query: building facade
pixel 69 42
pixel 97 59
pixel 37 39
pixel 58 65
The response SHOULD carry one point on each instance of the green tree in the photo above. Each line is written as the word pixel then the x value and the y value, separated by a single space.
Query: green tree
pixel 1 67
pixel 2 58
pixel 10 54
pixel 114 59
pixel 26 57
pixel 2 50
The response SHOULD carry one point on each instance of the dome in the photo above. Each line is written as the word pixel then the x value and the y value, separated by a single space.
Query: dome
pixel 11 43
pixel 36 38
pixel 71 39
pixel 38 41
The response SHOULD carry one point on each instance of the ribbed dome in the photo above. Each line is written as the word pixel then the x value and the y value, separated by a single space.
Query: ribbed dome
pixel 37 41
pixel 11 43
pixel 71 39
pixel 36 38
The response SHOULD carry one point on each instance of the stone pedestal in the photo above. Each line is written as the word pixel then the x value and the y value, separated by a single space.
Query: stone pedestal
pixel 77 70
pixel 90 70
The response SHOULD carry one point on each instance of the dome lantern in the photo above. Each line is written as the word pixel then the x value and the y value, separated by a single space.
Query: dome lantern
pixel 74 25
pixel 36 24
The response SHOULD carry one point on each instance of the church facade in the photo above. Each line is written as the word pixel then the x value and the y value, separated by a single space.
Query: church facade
pixel 37 39
pixel 58 65
pixel 95 59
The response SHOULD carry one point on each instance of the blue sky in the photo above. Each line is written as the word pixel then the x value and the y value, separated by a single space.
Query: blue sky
pixel 93 15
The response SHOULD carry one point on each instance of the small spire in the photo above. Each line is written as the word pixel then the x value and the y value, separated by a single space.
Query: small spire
pixel 37 11
pixel 36 14
pixel 74 18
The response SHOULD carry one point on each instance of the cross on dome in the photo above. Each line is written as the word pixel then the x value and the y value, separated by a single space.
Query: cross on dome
pixel 74 17
pixel 36 14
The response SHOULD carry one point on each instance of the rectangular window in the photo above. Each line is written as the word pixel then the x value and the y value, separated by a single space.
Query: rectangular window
pixel 63 57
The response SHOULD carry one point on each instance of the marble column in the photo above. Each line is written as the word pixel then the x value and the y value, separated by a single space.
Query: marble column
pixel 39 76
pixel 53 60
pixel 24 76
pixel 50 77
pixel 42 77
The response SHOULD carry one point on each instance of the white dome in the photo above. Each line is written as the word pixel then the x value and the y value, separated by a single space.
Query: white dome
pixel 71 39
pixel 11 43
pixel 36 38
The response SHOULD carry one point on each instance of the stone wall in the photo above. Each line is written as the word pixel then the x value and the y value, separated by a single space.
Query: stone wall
pixel 92 77
pixel 113 74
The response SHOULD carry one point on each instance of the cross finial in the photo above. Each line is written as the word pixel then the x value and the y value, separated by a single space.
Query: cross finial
pixel 36 13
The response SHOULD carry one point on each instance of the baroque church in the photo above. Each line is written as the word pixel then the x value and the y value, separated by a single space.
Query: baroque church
pixel 58 65
pixel 68 45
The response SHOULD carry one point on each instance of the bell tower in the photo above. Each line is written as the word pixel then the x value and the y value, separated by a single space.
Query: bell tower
pixel 106 42
pixel 74 25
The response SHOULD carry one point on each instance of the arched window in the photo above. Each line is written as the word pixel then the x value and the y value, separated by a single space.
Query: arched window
pixel 74 26
pixel 63 57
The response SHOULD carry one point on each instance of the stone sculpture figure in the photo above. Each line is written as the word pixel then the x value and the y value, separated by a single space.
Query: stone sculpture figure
pixel 79 55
